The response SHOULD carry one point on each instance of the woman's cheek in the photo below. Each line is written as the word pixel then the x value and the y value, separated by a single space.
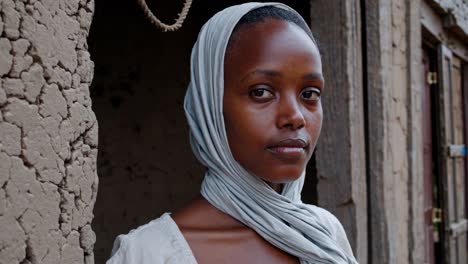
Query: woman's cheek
pixel 315 123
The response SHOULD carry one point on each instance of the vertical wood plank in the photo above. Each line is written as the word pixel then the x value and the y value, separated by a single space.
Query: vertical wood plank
pixel 379 242
pixel 459 180
pixel 428 146
pixel 417 226
pixel 465 112
pixel 458 137
pixel 446 137
pixel 340 153
pixel 465 115
pixel 395 180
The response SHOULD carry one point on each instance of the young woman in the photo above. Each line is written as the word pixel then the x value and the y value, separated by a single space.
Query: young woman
pixel 254 111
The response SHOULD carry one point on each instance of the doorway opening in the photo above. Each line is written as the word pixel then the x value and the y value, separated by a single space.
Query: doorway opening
pixel 431 156
pixel 145 163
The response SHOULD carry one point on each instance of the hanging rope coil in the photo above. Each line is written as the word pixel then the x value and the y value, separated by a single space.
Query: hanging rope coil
pixel 165 27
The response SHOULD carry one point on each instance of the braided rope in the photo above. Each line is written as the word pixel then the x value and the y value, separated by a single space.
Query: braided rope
pixel 165 27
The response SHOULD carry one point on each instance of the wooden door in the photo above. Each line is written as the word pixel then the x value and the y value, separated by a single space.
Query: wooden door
pixel 459 227
pixel 453 152
pixel 428 158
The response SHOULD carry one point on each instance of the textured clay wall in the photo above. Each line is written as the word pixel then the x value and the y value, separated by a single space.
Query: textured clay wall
pixel 48 132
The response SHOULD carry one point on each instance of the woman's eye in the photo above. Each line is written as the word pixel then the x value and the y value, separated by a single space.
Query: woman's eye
pixel 261 93
pixel 312 94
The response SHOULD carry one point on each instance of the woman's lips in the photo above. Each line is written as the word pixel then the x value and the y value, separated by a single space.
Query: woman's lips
pixel 289 149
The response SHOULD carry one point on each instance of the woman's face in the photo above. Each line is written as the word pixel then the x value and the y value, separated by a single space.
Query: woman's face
pixel 272 110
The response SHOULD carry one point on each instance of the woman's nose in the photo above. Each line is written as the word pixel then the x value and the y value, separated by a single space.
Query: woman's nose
pixel 290 113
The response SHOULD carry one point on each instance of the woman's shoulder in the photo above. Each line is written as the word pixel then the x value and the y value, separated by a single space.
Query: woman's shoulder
pixel 326 217
pixel 159 241
pixel 335 226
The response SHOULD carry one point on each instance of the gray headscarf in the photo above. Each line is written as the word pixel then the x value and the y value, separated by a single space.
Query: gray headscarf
pixel 281 219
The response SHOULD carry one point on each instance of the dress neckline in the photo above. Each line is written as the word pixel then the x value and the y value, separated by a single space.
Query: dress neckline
pixel 179 237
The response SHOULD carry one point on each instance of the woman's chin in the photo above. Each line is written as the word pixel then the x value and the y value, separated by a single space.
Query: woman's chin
pixel 283 178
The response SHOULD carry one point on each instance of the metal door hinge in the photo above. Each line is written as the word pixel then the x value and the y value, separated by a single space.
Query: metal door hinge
pixel 431 78
pixel 456 151
pixel 458 228
pixel 436 215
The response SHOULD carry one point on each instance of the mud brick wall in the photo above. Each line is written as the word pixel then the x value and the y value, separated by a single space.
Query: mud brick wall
pixel 48 132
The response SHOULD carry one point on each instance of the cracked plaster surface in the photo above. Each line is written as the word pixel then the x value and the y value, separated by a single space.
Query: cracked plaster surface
pixel 48 132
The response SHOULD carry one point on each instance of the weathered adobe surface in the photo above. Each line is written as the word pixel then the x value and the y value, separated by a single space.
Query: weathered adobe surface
pixel 48 132
pixel 456 14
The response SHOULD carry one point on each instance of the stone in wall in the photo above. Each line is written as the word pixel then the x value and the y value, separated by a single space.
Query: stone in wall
pixel 48 132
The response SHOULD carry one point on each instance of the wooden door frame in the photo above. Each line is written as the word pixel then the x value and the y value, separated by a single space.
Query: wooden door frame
pixel 340 160
pixel 429 129
pixel 444 55
pixel 447 171
pixel 439 145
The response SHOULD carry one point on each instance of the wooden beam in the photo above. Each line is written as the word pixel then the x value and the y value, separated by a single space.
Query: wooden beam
pixel 394 154
pixel 341 164
pixel 417 229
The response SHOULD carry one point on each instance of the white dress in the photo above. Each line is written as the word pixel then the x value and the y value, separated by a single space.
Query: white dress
pixel 157 242
pixel 161 242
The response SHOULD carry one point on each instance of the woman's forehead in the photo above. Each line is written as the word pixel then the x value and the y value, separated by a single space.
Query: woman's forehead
pixel 268 40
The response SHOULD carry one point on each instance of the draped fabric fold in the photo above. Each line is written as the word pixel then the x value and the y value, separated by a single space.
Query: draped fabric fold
pixel 282 219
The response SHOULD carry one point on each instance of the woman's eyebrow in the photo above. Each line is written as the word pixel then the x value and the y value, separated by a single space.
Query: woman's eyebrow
pixel 270 73
pixel 313 76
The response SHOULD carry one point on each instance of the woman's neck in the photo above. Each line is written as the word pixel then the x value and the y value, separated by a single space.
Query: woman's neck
pixel 200 214
pixel 278 187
